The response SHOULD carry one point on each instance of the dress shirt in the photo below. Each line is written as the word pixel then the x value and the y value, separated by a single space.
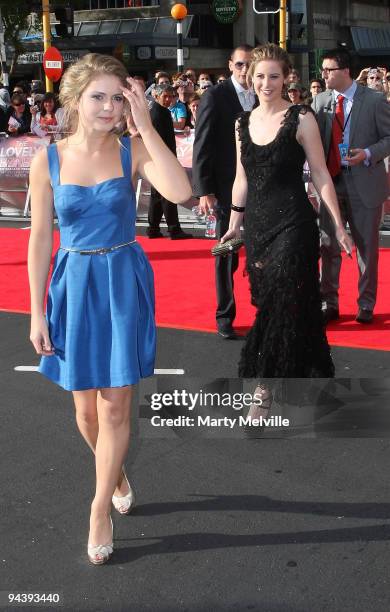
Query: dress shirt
pixel 246 96
pixel 347 106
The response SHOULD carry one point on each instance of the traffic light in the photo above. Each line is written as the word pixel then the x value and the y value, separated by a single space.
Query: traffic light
pixel 297 27
pixel 34 6
pixel 297 39
pixel 270 6
pixel 64 14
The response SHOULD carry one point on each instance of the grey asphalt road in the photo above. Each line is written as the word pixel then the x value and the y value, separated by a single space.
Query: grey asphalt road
pixel 295 523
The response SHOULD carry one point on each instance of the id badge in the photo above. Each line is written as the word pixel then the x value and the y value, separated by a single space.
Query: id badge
pixel 343 148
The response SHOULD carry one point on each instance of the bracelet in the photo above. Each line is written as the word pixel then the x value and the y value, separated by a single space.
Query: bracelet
pixel 239 209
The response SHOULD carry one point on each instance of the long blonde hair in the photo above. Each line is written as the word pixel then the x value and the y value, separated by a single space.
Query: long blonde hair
pixel 78 76
pixel 269 51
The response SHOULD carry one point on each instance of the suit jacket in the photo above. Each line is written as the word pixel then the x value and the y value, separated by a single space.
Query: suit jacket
pixel 370 128
pixel 214 154
pixel 3 123
pixel 162 122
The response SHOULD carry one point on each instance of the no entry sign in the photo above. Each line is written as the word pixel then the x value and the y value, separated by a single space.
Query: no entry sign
pixel 53 64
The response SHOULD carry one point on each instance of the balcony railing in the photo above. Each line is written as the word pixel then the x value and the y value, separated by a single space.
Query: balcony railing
pixel 93 5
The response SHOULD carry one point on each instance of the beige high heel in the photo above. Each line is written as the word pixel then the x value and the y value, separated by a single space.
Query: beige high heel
pixel 124 503
pixel 258 409
pixel 102 552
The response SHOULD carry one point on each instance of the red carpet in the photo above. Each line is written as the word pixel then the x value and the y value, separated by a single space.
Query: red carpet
pixel 185 296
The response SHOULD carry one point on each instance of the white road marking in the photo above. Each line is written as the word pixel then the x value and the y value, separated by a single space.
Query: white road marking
pixel 160 371
pixel 169 371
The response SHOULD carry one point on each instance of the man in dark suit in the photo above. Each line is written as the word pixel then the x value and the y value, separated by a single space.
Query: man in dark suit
pixel 162 122
pixel 359 118
pixel 214 169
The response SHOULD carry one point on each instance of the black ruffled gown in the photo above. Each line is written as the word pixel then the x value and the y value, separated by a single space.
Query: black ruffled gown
pixel 287 339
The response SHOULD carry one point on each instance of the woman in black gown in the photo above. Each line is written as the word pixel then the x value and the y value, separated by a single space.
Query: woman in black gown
pixel 281 235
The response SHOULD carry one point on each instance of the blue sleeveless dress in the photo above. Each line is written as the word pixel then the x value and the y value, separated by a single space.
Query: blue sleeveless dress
pixel 100 307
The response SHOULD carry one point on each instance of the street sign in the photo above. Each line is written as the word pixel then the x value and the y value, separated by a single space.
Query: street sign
pixel 270 6
pixel 36 57
pixel 226 11
pixel 53 64
pixel 169 52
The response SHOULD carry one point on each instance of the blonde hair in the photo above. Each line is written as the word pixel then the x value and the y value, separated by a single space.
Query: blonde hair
pixel 266 52
pixel 77 78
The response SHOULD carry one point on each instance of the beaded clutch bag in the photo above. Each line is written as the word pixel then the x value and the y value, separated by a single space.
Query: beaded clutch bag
pixel 227 248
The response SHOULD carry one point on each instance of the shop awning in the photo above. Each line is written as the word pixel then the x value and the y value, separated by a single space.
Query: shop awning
pixel 371 41
pixel 136 31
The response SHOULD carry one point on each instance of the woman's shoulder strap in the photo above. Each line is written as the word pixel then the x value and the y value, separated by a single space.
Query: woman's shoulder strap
pixel 125 144
pixel 242 123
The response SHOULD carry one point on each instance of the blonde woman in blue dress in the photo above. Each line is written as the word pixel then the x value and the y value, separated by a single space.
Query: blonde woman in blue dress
pixel 98 336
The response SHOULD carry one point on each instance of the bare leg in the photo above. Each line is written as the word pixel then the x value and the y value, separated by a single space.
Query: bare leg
pixel 113 409
pixel 88 424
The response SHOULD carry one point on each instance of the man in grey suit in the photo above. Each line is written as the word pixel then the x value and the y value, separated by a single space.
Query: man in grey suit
pixel 359 118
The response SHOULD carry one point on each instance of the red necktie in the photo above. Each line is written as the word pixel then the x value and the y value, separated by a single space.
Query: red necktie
pixel 334 159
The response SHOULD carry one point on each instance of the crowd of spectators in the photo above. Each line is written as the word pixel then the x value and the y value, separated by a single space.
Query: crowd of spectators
pixel 28 109
pixel 187 89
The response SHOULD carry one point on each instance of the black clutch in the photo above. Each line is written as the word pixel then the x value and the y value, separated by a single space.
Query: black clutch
pixel 227 248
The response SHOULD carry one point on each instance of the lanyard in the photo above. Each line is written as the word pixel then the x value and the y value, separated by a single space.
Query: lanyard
pixel 342 127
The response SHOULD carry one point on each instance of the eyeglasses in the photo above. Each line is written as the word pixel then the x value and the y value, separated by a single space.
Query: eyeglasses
pixel 327 70
pixel 240 65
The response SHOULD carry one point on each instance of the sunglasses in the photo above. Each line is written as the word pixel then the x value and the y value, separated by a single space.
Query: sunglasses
pixel 19 104
pixel 240 65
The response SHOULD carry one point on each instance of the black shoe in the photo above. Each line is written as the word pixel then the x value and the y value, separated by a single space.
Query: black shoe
pixel 364 316
pixel 154 234
pixel 180 235
pixel 330 314
pixel 227 333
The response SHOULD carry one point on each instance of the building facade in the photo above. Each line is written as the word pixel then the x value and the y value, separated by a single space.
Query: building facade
pixel 143 35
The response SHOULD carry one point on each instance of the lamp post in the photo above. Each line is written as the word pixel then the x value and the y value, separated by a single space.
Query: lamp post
pixel 179 12
pixel 46 36
pixel 283 34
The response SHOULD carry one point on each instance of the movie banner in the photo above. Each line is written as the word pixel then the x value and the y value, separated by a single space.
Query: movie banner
pixel 16 154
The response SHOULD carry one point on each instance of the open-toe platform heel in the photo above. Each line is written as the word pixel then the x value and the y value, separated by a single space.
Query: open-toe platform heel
pixel 100 554
pixel 124 504
pixel 258 410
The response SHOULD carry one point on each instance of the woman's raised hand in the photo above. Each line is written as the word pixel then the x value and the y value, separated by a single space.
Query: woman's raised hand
pixel 138 105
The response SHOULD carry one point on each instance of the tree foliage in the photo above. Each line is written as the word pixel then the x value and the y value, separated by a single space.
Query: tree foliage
pixel 15 19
